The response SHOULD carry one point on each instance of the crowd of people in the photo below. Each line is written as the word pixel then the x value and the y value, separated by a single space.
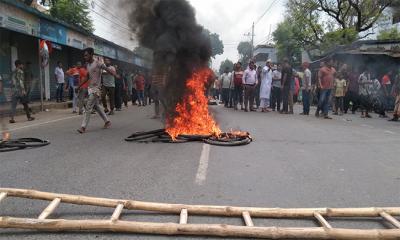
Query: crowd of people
pixel 333 86
pixel 88 85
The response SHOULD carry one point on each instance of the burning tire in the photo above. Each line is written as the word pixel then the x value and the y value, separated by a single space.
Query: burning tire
pixel 22 143
pixel 229 140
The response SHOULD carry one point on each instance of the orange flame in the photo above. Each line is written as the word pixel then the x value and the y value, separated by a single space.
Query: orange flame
pixel 193 117
pixel 6 136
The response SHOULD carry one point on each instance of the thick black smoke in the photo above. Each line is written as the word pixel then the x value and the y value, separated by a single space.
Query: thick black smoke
pixel 180 46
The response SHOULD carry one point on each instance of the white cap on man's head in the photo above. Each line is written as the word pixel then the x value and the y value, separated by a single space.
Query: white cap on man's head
pixel 269 61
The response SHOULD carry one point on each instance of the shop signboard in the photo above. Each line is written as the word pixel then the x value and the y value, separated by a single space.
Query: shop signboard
pixel 53 32
pixel 98 48
pixel 79 41
pixel 109 51
pixel 17 20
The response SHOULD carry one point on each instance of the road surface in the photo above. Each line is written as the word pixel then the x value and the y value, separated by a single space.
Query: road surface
pixel 294 161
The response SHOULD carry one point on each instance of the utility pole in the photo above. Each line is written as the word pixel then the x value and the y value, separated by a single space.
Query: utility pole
pixel 252 41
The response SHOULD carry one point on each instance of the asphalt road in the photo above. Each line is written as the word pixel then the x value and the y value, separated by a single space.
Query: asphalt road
pixel 294 161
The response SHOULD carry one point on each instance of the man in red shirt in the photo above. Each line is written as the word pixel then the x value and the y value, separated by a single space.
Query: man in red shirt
pixel 140 82
pixel 83 90
pixel 326 76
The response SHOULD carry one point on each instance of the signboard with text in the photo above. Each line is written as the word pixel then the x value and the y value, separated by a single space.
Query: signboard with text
pixel 53 32
pixel 17 20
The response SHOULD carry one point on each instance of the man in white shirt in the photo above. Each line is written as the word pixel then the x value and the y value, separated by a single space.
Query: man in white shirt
pixel 225 83
pixel 265 88
pixel 59 76
pixel 250 82
pixel 306 89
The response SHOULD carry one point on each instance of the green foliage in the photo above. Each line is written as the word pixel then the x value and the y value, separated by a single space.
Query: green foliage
pixel 288 43
pixel 226 64
pixel 75 12
pixel 338 37
pixel 216 44
pixel 245 52
pixel 392 34
pixel 323 24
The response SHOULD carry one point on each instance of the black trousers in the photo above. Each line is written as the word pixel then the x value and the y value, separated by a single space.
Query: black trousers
pixel 276 98
pixel 285 98
pixel 351 97
pixel 118 94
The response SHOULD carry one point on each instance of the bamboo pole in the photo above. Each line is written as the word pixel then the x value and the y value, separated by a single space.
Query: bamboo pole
pixel 390 219
pixel 50 208
pixel 247 219
pixel 197 229
pixel 183 219
pixel 3 195
pixel 227 211
pixel 117 212
pixel 322 220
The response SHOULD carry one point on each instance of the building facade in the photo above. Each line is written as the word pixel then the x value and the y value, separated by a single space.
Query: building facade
pixel 264 52
pixel 21 30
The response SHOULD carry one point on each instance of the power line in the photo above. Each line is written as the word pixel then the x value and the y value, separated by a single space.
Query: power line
pixel 267 10
pixel 112 14
pixel 117 24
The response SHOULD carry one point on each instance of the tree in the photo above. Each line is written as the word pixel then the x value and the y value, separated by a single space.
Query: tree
pixel 225 64
pixel 391 34
pixel 216 43
pixel 75 12
pixel 287 41
pixel 245 51
pixel 322 24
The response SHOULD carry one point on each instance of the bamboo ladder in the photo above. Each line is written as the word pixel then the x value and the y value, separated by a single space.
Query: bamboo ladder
pixel 249 230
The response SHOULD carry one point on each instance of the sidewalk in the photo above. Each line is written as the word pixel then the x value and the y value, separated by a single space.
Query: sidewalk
pixel 35 106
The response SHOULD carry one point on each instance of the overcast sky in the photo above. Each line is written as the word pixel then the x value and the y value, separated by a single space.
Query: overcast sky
pixel 231 19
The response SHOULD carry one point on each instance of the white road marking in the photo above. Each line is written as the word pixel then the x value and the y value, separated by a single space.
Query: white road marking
pixel 39 124
pixel 390 132
pixel 203 165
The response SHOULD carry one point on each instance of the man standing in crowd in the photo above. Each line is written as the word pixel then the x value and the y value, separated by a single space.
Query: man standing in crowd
pixel 386 90
pixel 134 92
pixel 72 83
pixel 59 76
pixel 352 92
pixel 94 68
pixel 237 79
pixel 250 82
pixel 287 76
pixel 396 94
pixel 18 92
pixel 119 85
pixel 276 88
pixel 83 87
pixel 325 81
pixel 108 88
pixel 225 83
pixel 139 83
pixel 258 87
pixel 365 92
pixel 306 89
pixel 265 86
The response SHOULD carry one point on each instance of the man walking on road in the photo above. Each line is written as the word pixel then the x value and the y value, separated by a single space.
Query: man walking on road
pixel 326 76
pixel 306 89
pixel 250 82
pixel 19 92
pixel 108 89
pixel 94 68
